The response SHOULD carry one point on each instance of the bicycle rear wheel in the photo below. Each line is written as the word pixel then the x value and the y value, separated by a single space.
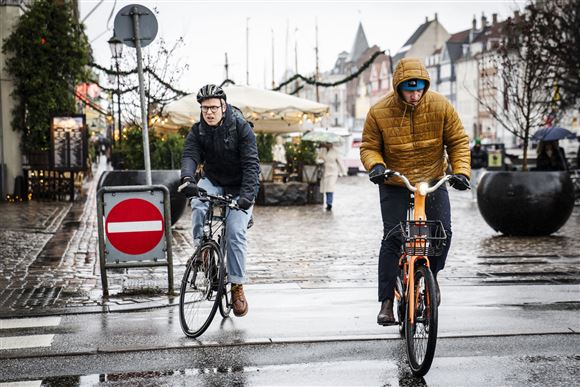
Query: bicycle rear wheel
pixel 421 335
pixel 200 291
pixel 225 304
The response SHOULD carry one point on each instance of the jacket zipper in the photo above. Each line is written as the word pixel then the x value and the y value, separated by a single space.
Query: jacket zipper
pixel 412 124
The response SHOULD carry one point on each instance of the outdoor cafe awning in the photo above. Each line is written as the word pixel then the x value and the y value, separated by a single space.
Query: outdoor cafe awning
pixel 270 111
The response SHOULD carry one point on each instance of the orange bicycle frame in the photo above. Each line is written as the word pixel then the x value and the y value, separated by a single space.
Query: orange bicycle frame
pixel 409 266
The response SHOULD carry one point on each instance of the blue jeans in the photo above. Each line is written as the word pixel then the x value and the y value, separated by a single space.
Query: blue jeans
pixel 329 198
pixel 237 225
pixel 394 203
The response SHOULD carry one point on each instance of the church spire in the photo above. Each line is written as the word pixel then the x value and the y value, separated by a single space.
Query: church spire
pixel 360 43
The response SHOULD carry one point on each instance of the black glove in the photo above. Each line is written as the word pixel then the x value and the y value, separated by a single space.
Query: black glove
pixel 244 203
pixel 377 174
pixel 191 188
pixel 459 181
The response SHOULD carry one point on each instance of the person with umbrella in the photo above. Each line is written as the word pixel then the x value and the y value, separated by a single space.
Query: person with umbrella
pixel 333 167
pixel 551 157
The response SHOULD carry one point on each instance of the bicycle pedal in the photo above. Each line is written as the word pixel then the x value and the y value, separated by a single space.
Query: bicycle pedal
pixel 388 324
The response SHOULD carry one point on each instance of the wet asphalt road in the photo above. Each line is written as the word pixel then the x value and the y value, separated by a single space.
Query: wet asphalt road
pixel 526 334
pixel 497 361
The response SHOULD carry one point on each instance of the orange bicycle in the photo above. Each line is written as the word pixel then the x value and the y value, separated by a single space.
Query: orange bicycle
pixel 415 288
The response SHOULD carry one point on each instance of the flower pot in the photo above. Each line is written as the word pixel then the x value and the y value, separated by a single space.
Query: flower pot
pixel 310 173
pixel 525 203
pixel 169 178
pixel 265 171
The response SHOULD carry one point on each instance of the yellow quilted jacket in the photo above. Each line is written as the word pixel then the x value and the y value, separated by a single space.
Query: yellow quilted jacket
pixel 415 140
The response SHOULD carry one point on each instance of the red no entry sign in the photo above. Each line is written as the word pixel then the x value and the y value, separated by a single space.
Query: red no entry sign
pixel 134 226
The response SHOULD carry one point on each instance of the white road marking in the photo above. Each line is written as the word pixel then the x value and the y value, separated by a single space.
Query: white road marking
pixel 27 383
pixel 30 341
pixel 153 225
pixel 35 322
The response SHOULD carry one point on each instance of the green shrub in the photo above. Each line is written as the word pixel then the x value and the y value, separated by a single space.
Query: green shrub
pixel 265 142
pixel 164 150
pixel 47 55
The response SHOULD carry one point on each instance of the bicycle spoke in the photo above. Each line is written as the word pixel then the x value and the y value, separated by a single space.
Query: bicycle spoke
pixel 421 335
pixel 198 293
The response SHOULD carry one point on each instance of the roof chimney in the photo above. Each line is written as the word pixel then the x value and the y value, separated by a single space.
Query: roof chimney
pixel 426 19
pixel 517 16
pixel 483 21
pixel 494 18
pixel 473 23
pixel 435 16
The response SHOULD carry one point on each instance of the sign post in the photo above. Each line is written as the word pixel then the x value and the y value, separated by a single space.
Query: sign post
pixel 137 26
pixel 134 224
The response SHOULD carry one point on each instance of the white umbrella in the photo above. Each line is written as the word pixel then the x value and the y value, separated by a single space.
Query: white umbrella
pixel 270 111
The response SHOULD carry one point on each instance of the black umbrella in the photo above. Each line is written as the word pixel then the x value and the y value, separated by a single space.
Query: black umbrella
pixel 553 133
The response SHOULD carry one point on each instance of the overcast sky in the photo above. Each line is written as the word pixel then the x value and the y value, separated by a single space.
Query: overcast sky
pixel 212 28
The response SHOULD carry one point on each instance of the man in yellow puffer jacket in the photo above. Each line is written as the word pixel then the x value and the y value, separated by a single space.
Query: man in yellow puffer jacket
pixel 416 132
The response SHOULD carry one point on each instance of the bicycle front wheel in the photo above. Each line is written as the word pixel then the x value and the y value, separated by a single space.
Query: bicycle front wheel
pixel 199 296
pixel 421 335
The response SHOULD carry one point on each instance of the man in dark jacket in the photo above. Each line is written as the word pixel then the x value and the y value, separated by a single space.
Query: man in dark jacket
pixel 479 160
pixel 223 141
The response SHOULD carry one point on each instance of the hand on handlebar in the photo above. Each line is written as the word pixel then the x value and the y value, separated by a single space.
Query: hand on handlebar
pixel 189 188
pixel 459 182
pixel 244 203
pixel 377 174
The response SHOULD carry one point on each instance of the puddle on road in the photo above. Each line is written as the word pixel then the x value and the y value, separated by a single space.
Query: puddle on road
pixel 528 269
pixel 376 372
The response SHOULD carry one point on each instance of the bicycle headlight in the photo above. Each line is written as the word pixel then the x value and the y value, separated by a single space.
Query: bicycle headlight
pixel 423 187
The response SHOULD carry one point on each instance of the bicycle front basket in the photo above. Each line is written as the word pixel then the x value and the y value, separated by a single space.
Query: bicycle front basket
pixel 423 237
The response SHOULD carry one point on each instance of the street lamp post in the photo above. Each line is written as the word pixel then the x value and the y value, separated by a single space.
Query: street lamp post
pixel 116 46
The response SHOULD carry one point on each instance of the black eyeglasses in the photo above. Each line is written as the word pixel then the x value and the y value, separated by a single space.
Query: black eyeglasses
pixel 213 109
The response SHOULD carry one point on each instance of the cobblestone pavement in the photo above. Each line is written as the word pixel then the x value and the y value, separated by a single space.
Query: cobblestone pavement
pixel 49 258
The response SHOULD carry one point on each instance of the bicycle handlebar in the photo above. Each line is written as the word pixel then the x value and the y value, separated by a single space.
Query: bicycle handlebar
pixel 203 195
pixel 422 187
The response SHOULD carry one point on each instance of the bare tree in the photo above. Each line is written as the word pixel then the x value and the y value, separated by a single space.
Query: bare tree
pixel 517 83
pixel 558 23
pixel 162 72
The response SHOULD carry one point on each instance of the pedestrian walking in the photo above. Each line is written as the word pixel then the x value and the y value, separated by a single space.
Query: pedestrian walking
pixel 224 143
pixel 411 130
pixel 551 157
pixel 333 168
pixel 479 160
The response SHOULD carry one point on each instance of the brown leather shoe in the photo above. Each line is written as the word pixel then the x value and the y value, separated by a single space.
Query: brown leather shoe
pixel 386 316
pixel 240 305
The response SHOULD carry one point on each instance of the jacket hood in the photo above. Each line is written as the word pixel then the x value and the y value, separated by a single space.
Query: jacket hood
pixel 410 68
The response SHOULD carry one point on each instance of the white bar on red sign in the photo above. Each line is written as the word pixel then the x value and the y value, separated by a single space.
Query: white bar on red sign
pixel 154 225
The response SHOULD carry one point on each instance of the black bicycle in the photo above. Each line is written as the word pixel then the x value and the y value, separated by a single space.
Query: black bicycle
pixel 205 286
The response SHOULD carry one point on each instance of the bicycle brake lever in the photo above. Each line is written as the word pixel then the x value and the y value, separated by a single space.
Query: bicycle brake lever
pixel 235 206
pixel 388 173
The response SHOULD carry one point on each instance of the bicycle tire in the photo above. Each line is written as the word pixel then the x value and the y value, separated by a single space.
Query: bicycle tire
pixel 421 336
pixel 200 294
pixel 225 305
pixel 400 303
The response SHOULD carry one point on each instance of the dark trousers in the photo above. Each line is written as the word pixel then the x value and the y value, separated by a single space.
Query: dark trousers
pixel 394 204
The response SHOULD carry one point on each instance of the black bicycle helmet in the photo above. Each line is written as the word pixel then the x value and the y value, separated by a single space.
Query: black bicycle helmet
pixel 210 91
